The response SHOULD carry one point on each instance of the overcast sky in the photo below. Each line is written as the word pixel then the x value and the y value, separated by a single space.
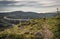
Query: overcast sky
pixel 29 5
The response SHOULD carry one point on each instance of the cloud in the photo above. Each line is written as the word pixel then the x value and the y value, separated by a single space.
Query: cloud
pixel 42 3
pixel 35 4
pixel 6 2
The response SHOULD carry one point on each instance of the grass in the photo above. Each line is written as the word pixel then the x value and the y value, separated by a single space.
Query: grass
pixel 32 30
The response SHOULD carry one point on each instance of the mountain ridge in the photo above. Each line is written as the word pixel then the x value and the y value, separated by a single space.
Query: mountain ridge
pixel 22 14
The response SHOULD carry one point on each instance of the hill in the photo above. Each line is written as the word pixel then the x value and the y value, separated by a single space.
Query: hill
pixel 25 15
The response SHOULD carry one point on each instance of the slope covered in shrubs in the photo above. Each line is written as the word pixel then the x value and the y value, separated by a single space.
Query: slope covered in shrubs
pixel 32 29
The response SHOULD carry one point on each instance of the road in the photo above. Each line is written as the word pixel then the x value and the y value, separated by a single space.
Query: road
pixel 17 19
pixel 47 33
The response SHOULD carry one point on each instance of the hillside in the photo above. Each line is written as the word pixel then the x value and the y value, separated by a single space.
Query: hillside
pixel 38 28
pixel 33 29
pixel 22 15
pixel 25 15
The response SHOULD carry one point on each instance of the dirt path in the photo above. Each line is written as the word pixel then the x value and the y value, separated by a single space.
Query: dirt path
pixel 47 33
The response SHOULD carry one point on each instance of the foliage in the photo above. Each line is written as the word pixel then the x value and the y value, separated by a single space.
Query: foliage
pixel 32 30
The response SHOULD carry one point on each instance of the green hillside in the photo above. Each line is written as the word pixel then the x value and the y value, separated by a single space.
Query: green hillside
pixel 33 29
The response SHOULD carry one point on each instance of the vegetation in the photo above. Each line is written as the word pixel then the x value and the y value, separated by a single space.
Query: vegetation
pixel 33 29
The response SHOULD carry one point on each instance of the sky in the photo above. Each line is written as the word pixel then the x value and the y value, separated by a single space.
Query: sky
pixel 39 6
